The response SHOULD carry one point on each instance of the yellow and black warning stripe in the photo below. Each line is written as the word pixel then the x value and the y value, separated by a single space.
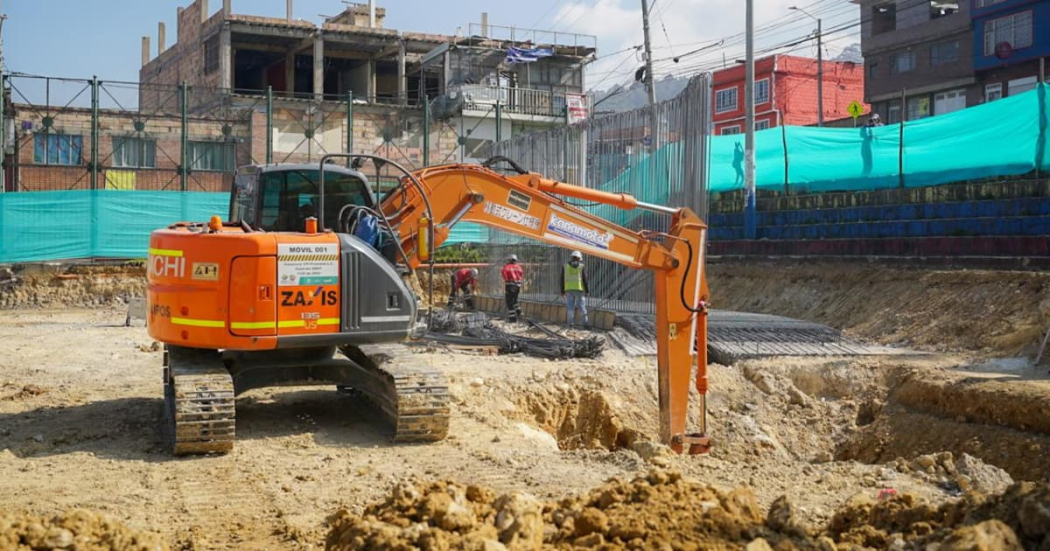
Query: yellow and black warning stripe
pixel 308 258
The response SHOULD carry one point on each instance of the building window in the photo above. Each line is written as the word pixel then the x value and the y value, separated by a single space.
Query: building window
pixel 211 55
pixel 872 68
pixel 762 91
pixel 940 8
pixel 57 149
pixel 134 153
pixel 1021 85
pixel 993 92
pixel 986 3
pixel 918 108
pixel 893 112
pixel 217 156
pixel 730 130
pixel 945 52
pixel 725 100
pixel 1015 30
pixel 883 18
pixel 761 125
pixel 902 62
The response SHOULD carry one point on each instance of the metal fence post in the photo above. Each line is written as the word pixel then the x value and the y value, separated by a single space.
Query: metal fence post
pixel 184 157
pixel 269 125
pixel 426 131
pixel 349 122
pixel 3 135
pixel 94 132
pixel 787 160
pixel 499 118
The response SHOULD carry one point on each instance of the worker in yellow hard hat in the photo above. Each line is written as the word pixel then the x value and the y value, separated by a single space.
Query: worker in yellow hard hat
pixel 574 289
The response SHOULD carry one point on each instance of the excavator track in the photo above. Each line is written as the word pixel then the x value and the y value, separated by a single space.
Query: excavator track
pixel 198 402
pixel 414 400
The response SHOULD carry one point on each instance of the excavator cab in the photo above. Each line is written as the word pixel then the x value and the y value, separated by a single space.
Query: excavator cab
pixel 279 198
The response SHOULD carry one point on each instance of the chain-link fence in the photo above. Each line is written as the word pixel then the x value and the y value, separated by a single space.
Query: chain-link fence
pixel 75 134
pixel 659 155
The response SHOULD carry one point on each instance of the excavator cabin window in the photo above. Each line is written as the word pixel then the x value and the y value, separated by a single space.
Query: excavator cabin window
pixel 288 197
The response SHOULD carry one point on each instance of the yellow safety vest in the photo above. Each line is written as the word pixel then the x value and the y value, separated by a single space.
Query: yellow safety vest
pixel 573 278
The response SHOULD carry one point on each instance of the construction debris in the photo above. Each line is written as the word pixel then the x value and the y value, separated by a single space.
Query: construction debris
pixel 477 329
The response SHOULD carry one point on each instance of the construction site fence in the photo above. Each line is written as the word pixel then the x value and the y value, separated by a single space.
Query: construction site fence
pixel 73 142
pixel 66 134
pixel 611 153
pixel 1007 137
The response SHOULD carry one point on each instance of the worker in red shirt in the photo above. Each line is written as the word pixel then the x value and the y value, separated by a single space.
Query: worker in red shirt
pixel 464 280
pixel 513 277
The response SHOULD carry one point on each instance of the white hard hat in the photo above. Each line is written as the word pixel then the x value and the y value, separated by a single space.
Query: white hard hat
pixel 513 258
pixel 577 254
pixel 474 272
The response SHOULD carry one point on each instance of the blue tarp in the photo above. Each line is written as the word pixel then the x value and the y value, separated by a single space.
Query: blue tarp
pixel 59 225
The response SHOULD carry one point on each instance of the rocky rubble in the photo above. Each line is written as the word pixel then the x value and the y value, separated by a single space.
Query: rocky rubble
pixel 662 510
pixel 78 529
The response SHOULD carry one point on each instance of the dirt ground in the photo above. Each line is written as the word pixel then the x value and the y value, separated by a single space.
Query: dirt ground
pixel 80 414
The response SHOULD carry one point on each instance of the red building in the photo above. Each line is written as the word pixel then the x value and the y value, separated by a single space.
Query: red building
pixel 786 93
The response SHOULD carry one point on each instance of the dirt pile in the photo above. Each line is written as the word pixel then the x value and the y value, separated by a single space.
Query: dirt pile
pixel 78 529
pixel 662 509
pixel 914 307
pixel 78 286
pixel 653 511
pixel 1016 519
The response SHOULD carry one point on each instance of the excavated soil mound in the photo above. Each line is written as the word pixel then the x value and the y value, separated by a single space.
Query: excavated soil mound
pixel 998 311
pixel 1016 519
pixel 78 529
pixel 663 511
pixel 77 286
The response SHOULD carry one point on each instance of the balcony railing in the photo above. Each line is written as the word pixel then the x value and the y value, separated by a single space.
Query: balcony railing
pixel 523 101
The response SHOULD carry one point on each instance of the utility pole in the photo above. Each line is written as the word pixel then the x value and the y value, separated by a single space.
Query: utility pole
pixel 820 65
pixel 750 216
pixel 649 84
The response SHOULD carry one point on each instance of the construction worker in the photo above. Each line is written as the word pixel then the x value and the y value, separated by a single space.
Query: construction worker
pixel 574 288
pixel 464 280
pixel 513 277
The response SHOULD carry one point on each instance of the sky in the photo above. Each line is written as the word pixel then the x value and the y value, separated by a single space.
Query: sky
pixel 81 38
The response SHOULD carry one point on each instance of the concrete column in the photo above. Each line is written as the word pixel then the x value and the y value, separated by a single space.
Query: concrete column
pixel 485 24
pixel 160 38
pixel 402 80
pixel 204 9
pixel 288 10
pixel 289 74
pixel 145 50
pixel 178 24
pixel 225 59
pixel 371 14
pixel 227 8
pixel 371 80
pixel 318 67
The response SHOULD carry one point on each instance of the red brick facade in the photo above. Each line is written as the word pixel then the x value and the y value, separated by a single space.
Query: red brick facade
pixel 792 92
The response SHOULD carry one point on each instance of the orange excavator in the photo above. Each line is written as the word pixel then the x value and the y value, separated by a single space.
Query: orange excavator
pixel 305 284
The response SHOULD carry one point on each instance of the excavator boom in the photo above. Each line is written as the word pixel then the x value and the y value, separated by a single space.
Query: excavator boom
pixel 432 200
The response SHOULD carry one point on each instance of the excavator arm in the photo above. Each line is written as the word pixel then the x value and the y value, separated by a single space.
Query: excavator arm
pixel 532 206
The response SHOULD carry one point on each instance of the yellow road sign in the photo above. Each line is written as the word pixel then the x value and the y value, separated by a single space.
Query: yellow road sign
pixel 855 109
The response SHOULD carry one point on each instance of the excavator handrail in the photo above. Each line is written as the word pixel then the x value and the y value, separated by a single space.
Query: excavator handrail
pixel 422 194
